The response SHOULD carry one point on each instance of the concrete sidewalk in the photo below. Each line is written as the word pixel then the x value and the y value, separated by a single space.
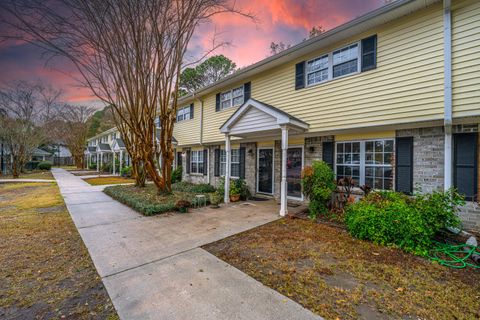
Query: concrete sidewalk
pixel 153 267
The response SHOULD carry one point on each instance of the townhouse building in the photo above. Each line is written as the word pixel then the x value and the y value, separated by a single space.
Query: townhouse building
pixel 391 99
pixel 107 147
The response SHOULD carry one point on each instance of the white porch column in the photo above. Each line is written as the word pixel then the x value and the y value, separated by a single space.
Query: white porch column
pixel 97 159
pixel 226 198
pixel 283 186
pixel 120 163
pixel 113 162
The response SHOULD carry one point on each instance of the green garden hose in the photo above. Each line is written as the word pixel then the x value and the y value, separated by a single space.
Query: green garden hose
pixel 454 256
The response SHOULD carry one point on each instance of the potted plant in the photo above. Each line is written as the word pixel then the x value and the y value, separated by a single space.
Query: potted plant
pixel 215 200
pixel 234 193
pixel 182 206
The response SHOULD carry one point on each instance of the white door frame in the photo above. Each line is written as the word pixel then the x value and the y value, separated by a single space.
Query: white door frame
pixel 303 165
pixel 273 169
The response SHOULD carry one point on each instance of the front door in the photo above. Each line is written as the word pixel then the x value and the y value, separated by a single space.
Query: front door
pixel 265 171
pixel 294 172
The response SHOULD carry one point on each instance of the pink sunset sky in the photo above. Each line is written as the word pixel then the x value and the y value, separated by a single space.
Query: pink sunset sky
pixel 277 20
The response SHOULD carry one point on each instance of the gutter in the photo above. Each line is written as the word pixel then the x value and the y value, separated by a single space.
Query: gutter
pixel 447 122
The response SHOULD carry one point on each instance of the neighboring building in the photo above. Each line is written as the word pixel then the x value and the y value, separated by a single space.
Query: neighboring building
pixel 391 99
pixel 107 148
pixel 62 155
pixel 41 155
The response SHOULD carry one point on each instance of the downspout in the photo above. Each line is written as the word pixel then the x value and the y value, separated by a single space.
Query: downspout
pixel 447 56
pixel 201 140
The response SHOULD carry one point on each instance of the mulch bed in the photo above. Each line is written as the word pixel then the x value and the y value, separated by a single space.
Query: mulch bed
pixel 324 269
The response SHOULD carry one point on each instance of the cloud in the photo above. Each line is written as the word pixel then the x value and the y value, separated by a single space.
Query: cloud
pixel 277 20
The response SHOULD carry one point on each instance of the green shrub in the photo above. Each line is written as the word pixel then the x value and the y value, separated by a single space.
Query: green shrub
pixel 392 218
pixel 177 175
pixel 107 167
pixel 127 171
pixel 318 183
pixel 193 188
pixel 92 166
pixel 31 165
pixel 139 202
pixel 44 165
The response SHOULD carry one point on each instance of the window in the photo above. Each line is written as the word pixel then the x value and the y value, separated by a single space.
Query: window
pixel 196 162
pixel 345 61
pixel 231 98
pixel 367 162
pixel 378 164
pixel 348 160
pixel 317 70
pixel 183 114
pixel 234 162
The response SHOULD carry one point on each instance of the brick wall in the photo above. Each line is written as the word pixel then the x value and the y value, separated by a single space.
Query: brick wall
pixel 428 157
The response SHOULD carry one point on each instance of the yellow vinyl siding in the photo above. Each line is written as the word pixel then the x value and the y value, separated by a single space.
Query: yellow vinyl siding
pixel 466 58
pixel 187 132
pixel 406 86
pixel 365 136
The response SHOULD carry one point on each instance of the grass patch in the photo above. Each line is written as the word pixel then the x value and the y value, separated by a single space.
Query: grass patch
pixel 336 276
pixel 37 174
pixel 46 270
pixel 100 181
pixel 148 202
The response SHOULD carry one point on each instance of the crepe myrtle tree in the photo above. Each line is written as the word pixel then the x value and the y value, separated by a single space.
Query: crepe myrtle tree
pixel 129 53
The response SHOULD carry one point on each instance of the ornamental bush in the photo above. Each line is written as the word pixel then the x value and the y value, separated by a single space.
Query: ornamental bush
pixel 392 218
pixel 177 175
pixel 192 187
pixel 318 183
pixel 44 165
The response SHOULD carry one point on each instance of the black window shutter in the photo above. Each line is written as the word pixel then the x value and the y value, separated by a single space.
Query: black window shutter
pixel 404 165
pixel 369 53
pixel 188 165
pixel 327 153
pixel 179 159
pixel 216 169
pixel 205 161
pixel 217 102
pixel 192 111
pixel 242 162
pixel 465 164
pixel 300 75
pixel 247 91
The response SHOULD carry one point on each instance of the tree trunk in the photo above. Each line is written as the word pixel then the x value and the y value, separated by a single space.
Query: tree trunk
pixel 15 172
pixel 138 173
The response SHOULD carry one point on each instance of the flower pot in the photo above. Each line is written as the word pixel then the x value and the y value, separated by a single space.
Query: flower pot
pixel 235 198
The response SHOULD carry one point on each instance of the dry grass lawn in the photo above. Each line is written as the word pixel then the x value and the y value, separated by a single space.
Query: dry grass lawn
pixel 324 269
pixel 46 271
pixel 100 181
pixel 45 175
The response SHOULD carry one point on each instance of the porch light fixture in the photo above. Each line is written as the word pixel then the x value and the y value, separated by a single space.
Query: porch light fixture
pixel 311 149
pixel 250 152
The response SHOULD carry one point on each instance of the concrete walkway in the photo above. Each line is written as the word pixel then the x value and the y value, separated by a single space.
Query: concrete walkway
pixel 153 267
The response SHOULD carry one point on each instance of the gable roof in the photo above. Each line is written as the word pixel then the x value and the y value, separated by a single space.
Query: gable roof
pixel 103 147
pixel 273 118
pixel 382 15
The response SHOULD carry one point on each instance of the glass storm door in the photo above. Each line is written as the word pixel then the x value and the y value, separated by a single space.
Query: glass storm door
pixel 294 172
pixel 265 171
